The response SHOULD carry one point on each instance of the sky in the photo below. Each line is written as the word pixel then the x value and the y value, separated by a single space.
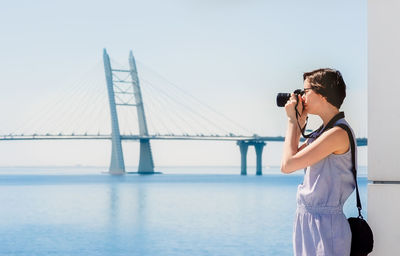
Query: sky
pixel 233 56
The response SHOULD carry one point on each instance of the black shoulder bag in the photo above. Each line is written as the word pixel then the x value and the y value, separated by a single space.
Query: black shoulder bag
pixel 362 240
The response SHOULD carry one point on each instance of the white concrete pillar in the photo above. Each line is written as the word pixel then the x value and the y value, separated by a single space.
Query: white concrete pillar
pixel 384 124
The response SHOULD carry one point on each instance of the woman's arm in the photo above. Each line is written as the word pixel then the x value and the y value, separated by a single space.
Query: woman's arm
pixel 291 144
pixel 334 141
pixel 292 138
pixel 303 146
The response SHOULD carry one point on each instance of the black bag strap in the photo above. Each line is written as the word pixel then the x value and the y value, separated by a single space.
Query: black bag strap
pixel 329 125
pixel 353 159
pixel 332 122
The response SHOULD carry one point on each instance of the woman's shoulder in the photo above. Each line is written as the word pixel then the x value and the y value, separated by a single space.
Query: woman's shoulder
pixel 339 138
pixel 343 121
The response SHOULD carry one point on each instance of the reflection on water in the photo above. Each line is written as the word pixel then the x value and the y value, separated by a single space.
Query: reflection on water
pixel 98 214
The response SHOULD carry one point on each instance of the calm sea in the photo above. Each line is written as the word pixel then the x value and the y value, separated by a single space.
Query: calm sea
pixel 185 211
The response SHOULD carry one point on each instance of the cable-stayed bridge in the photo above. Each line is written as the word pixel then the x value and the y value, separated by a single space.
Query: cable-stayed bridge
pixel 125 102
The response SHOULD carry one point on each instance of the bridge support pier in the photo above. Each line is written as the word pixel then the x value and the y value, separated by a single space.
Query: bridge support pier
pixel 117 165
pixel 146 165
pixel 243 146
pixel 259 146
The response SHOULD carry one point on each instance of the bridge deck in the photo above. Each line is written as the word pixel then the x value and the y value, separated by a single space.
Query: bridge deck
pixel 360 141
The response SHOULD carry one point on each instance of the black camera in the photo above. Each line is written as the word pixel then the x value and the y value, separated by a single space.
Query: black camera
pixel 282 98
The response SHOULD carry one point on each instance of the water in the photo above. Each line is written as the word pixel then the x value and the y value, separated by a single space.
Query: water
pixel 81 211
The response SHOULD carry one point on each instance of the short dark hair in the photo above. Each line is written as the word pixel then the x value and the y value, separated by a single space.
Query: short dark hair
pixel 329 83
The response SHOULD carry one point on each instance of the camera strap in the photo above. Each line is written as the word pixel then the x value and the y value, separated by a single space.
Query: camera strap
pixel 297 119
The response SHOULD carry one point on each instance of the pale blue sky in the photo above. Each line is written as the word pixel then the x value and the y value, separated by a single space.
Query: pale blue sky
pixel 232 55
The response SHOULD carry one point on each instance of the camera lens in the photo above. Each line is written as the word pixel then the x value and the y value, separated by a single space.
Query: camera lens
pixel 282 98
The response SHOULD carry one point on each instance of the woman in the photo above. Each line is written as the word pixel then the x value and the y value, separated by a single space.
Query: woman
pixel 320 226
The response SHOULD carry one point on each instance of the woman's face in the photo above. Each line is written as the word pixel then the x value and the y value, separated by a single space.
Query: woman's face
pixel 312 100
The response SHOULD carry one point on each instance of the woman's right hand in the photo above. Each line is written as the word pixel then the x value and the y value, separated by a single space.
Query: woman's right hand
pixel 291 112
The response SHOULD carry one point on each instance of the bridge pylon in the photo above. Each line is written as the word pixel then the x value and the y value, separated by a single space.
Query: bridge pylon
pixel 146 164
pixel 117 165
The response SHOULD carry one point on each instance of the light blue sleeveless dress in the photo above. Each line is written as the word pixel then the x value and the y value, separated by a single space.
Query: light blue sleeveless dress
pixel 320 227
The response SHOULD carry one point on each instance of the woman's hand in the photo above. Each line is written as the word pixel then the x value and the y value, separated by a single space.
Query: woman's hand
pixel 291 112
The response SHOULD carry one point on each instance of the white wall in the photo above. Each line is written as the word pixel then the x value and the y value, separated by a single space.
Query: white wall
pixel 384 124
